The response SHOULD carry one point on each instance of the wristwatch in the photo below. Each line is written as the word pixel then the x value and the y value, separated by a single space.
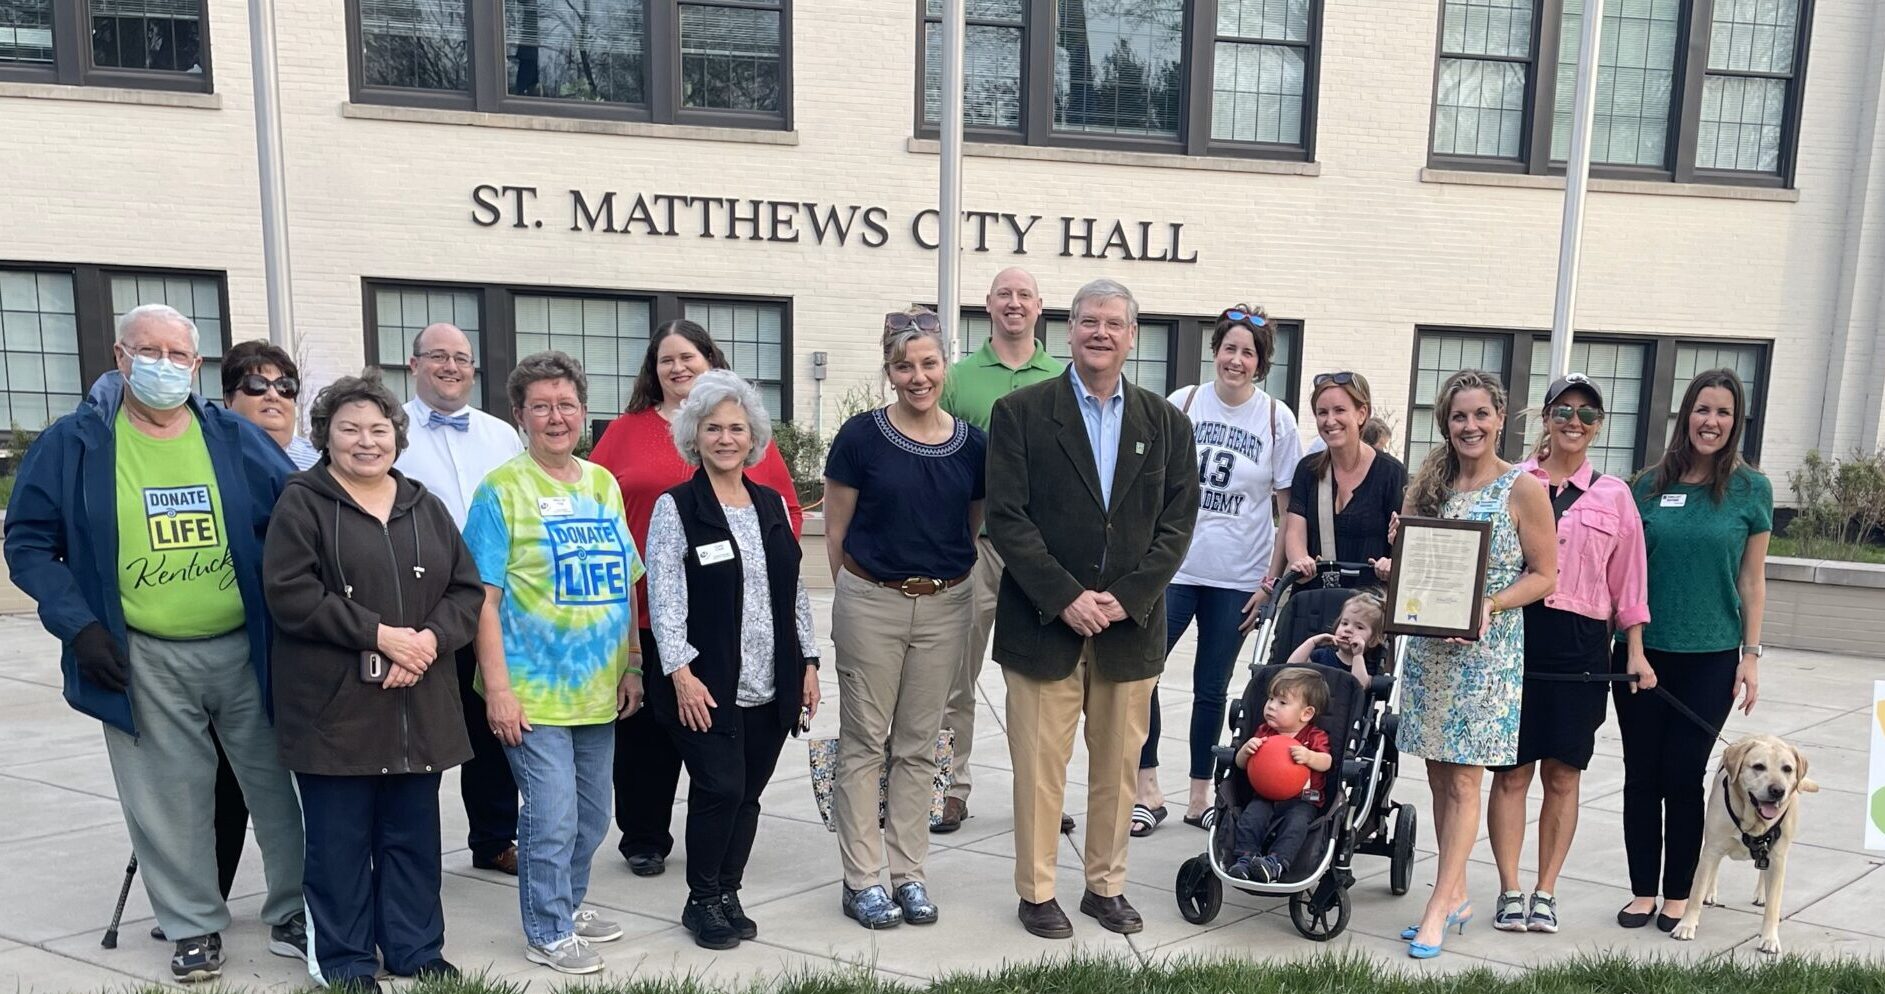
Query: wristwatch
pixel 1757 649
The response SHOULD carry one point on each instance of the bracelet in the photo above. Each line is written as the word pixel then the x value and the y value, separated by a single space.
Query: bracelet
pixel 1493 601
pixel 636 670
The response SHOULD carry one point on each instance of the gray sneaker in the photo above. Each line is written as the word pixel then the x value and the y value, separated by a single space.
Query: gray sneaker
pixel 595 928
pixel 572 955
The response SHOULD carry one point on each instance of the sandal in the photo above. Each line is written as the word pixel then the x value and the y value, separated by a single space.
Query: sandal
pixel 1145 819
pixel 1205 821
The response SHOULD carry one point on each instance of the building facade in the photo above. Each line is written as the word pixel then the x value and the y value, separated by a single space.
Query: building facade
pixel 1379 175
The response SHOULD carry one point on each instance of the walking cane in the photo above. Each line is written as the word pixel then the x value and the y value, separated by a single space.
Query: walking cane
pixel 110 941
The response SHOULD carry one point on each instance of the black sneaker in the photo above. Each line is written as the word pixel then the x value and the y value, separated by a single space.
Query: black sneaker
pixel 197 960
pixel 290 938
pixel 708 921
pixel 438 969
pixel 736 915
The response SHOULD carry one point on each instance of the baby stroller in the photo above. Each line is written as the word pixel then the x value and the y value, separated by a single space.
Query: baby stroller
pixel 1357 805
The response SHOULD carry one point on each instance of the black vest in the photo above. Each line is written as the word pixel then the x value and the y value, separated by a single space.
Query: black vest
pixel 716 601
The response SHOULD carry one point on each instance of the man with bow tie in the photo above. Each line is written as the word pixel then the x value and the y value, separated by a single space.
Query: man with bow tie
pixel 452 446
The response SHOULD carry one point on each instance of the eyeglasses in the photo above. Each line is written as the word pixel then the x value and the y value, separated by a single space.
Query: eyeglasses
pixel 150 353
pixel 1242 314
pixel 566 409
pixel 442 357
pixel 923 321
pixel 1583 412
pixel 255 385
pixel 1341 379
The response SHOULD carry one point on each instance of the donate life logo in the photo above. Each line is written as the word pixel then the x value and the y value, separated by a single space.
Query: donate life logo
pixel 590 561
pixel 179 518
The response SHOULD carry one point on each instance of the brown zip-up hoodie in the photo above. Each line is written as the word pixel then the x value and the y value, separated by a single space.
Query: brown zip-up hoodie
pixel 333 574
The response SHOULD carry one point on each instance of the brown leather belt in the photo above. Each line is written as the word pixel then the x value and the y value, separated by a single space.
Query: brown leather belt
pixel 914 586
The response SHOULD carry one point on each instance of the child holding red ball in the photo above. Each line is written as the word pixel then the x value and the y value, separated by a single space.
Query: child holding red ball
pixel 1297 695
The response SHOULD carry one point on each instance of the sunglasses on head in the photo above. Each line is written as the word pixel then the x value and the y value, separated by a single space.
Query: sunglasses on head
pixel 924 321
pixel 1583 412
pixel 1243 315
pixel 255 385
pixel 1341 379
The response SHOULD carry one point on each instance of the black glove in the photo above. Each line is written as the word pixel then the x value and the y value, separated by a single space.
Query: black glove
pixel 99 658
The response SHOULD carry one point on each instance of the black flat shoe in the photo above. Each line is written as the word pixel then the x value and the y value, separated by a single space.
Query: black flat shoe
pixel 1664 923
pixel 647 865
pixel 1634 919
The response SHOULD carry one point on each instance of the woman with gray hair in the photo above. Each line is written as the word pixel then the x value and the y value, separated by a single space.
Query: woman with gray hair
pixel 721 546
pixel 369 585
pixel 558 662
pixel 903 502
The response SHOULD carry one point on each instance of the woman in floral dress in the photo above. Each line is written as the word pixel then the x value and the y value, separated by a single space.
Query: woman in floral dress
pixel 1460 699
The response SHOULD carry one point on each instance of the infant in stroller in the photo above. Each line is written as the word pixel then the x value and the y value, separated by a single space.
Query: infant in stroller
pixel 1296 697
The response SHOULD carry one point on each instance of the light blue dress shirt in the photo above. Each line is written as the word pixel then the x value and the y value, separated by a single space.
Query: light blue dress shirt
pixel 1103 419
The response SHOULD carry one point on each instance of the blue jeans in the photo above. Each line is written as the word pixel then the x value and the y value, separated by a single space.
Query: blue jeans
pixel 1220 612
pixel 565 776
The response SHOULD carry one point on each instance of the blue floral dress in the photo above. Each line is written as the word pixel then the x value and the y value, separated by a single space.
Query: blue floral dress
pixel 1460 703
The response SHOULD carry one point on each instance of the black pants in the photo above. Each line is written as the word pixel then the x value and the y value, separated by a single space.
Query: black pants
pixel 1288 819
pixel 647 773
pixel 727 768
pixel 489 791
pixel 1665 764
pixel 232 820
pixel 372 875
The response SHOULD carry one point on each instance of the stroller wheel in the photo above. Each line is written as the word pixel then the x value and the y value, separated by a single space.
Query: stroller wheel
pixel 1200 892
pixel 1401 858
pixel 1321 913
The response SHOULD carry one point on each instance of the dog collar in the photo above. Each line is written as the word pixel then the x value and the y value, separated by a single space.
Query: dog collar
pixel 1760 847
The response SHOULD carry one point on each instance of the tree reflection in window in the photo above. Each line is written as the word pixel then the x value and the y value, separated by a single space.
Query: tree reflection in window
pixel 1119 67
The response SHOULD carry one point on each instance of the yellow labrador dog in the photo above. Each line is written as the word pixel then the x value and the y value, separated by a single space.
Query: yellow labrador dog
pixel 1752 814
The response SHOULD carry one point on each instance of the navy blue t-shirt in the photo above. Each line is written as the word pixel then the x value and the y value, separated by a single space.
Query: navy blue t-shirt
pixel 1325 655
pixel 913 499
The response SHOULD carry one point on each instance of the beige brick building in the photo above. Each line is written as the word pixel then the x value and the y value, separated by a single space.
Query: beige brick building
pixel 1375 173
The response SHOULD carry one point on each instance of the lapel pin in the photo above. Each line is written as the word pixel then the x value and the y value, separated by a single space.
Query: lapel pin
pixel 1138 448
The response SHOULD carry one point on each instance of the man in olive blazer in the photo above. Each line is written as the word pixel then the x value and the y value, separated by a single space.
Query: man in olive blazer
pixel 1092 493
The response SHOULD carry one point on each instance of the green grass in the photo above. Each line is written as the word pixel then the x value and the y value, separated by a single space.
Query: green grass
pixel 1782 545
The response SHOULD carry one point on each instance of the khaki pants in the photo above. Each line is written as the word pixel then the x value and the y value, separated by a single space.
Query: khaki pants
pixel 897 658
pixel 1042 715
pixel 986 582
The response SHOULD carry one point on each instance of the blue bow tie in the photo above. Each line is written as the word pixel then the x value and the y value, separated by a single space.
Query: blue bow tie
pixel 459 422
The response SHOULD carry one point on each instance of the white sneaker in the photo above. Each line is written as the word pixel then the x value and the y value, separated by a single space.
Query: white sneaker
pixel 572 955
pixel 595 928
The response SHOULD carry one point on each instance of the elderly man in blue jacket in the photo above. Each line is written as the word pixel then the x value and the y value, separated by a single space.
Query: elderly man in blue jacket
pixel 136 523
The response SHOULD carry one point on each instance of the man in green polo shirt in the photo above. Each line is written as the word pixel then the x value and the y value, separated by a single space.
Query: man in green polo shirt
pixel 1011 359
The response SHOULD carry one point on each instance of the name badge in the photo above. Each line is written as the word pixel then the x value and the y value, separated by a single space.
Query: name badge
pixel 713 552
pixel 1487 507
pixel 555 507
pixel 1675 500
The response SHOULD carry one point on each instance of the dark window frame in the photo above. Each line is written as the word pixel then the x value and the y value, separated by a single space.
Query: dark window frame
pixel 1678 165
pixel 499 331
pixel 73 66
pixel 1194 138
pixel 487 88
pixel 1173 357
pixel 1190 353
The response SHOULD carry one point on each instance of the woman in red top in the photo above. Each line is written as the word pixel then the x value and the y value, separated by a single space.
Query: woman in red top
pixel 638 448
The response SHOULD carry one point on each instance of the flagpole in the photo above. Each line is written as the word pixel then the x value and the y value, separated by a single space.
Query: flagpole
pixel 949 196
pixel 1576 183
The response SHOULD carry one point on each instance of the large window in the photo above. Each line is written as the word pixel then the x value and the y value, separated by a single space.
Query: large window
pixel 1437 356
pixel 1747 361
pixel 1622 371
pixel 673 61
pixel 1686 89
pixel 606 330
pixel 1281 381
pixel 151 44
pixel 1197 77
pixel 199 298
pixel 1149 365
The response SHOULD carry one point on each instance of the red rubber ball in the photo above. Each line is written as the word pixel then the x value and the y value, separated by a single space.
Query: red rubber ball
pixel 1273 775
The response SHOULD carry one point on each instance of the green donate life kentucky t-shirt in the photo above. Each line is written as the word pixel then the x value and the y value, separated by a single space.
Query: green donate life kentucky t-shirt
pixel 174 573
pixel 1695 548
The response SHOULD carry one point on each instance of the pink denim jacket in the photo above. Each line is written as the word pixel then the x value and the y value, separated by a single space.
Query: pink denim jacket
pixel 1603 570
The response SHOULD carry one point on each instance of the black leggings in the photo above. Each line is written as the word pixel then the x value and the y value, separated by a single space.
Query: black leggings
pixel 1665 764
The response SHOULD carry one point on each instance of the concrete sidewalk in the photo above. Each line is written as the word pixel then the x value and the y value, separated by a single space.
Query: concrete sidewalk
pixel 63 852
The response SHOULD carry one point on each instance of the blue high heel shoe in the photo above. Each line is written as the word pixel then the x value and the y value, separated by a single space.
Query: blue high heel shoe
pixel 1458 919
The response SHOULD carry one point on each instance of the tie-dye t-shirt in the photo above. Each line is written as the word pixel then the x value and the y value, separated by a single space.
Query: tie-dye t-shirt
pixel 562 554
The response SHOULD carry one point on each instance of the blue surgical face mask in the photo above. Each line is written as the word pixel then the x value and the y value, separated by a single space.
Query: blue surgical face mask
pixel 159 384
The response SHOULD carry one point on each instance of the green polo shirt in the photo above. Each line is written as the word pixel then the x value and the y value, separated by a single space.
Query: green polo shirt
pixel 977 381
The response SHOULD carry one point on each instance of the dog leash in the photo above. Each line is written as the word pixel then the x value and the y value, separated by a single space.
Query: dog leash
pixel 1668 698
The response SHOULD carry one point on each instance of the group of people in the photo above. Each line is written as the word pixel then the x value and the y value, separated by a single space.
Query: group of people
pixel 306 633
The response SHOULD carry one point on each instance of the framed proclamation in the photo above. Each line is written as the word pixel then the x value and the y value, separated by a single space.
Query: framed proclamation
pixel 1438 587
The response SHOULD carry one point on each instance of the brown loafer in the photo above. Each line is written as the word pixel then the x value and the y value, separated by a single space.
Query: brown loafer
pixel 1045 919
pixel 954 810
pixel 504 862
pixel 1114 914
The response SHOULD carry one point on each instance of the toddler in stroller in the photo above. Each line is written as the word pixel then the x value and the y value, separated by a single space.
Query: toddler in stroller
pixel 1296 697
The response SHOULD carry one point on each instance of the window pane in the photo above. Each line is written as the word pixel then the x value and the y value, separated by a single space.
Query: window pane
pixel 1272 20
pixel 148 34
pixel 1480 109
pixel 1754 36
pixel 1620 370
pixel 1745 360
pixel 605 334
pixel 400 314
pixel 1119 66
pixel 199 298
pixel 752 337
pixel 414 43
pixel 26 32
pixel 1635 81
pixel 1741 123
pixel 1488 27
pixel 1146 366
pixel 1440 355
pixel 730 58
pixel 39 366
pixel 982 10
pixel 575 49
pixel 1257 93
pixel 991 75
pixel 1282 372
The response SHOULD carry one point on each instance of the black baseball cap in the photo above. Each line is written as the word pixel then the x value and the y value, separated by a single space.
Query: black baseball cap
pixel 1570 380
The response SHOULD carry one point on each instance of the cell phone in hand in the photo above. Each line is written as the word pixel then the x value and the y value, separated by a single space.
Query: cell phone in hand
pixel 805 719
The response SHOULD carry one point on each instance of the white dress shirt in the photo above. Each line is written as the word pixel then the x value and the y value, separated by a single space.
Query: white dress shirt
pixel 451 463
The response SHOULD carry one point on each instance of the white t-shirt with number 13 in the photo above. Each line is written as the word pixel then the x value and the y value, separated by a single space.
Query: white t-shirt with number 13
pixel 1245 454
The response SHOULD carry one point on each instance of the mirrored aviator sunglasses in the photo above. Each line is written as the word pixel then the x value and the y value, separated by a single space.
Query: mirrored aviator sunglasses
pixel 1583 412
pixel 256 385
pixel 923 321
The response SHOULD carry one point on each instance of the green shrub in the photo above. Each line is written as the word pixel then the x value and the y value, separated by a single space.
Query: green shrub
pixel 1842 504
pixel 804 455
